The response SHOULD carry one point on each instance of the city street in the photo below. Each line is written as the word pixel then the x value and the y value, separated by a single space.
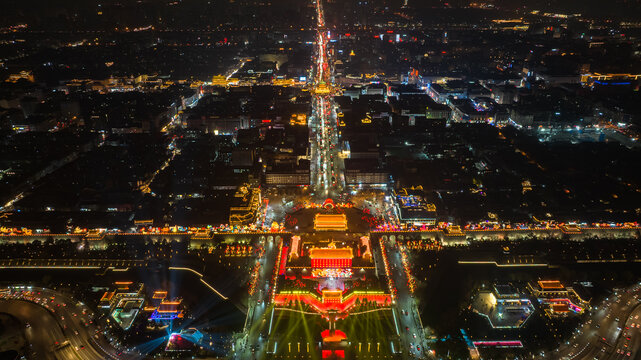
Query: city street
pixel 251 346
pixel 58 327
pixel 411 330
pixel 326 172
pixel 612 331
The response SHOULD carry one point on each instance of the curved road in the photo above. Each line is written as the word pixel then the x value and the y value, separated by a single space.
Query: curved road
pixel 56 326
pixel 612 332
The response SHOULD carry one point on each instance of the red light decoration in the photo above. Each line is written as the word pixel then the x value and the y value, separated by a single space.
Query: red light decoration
pixel 332 263
pixel 283 260
pixel 328 204
pixel 337 335
pixel 323 307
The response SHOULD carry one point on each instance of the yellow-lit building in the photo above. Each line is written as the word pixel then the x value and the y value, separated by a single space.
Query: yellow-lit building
pixel 298 119
pixel 336 222
pixel 247 202
pixel 322 89
pixel 219 80
pixel 23 75
pixel 284 82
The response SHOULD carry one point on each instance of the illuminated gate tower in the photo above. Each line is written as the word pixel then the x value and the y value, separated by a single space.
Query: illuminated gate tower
pixel 324 277
pixel 331 257
pixel 330 280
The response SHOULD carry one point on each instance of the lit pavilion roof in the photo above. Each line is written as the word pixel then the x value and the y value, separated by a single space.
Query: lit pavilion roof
pixel 328 253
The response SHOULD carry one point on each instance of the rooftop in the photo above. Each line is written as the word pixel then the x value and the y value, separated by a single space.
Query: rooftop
pixel 326 253
pixel 551 285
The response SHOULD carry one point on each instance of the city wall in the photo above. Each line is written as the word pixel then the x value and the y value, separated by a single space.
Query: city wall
pixel 459 238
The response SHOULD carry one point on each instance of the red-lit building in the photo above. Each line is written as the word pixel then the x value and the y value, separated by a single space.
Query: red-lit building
pixel 331 257
pixel 332 296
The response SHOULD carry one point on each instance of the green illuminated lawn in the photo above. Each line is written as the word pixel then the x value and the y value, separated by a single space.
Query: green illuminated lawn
pixel 291 328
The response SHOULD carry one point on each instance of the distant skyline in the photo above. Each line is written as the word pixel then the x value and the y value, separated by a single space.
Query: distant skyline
pixel 48 13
